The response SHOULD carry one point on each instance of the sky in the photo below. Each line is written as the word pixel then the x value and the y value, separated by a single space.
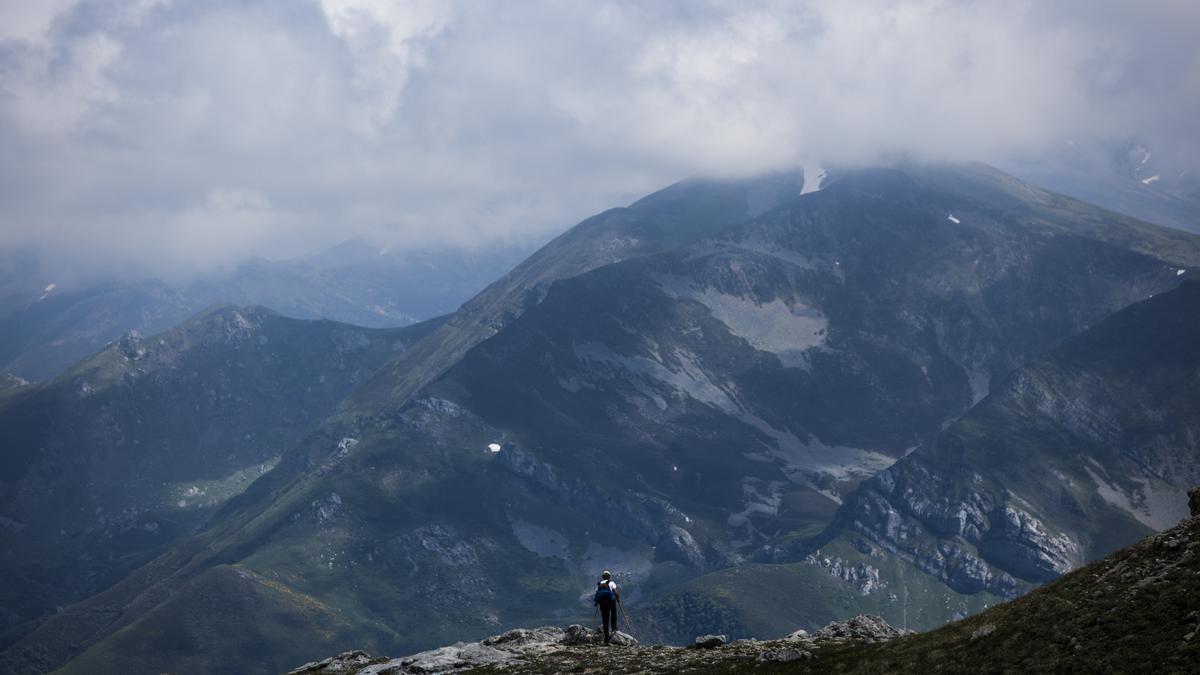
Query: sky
pixel 173 137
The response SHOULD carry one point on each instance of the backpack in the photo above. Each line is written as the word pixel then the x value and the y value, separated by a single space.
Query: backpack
pixel 604 594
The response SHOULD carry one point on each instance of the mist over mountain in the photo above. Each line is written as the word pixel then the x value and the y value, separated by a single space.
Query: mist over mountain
pixel 45 327
pixel 693 412
pixel 343 325
pixel 137 146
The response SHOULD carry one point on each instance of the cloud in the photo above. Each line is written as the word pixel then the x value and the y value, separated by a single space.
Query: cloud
pixel 170 137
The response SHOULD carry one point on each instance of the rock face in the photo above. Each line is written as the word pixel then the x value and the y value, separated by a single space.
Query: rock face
pixel 1089 447
pixel 1132 611
pixel 1194 501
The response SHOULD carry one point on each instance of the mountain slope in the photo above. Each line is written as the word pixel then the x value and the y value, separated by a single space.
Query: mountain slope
pixel 667 416
pixel 670 218
pixel 1078 453
pixel 1075 455
pixel 1132 611
pixel 136 446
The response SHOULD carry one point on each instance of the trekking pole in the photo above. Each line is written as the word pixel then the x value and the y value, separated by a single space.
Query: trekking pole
pixel 625 618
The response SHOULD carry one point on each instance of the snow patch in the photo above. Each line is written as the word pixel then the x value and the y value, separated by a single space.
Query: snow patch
pixel 1179 273
pixel 1151 179
pixel 952 219
pixel 813 176
pixel 46 291
pixel 494 447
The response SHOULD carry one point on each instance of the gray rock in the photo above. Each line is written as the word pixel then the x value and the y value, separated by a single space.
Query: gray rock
pixel 577 635
pixel 1194 501
pixel 346 662
pixel 983 631
pixel 709 641
pixel 622 639
pixel 519 638
pixel 862 627
pixel 797 635
pixel 455 658
pixel 784 655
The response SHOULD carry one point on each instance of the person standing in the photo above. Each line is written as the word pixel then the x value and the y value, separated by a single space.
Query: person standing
pixel 608 597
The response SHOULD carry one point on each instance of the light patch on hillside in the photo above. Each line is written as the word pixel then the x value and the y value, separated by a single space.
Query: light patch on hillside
pixel 766 502
pixel 209 493
pixel 684 377
pixel 1154 503
pixel 787 331
pixel 543 541
pixel 802 460
pixel 758 245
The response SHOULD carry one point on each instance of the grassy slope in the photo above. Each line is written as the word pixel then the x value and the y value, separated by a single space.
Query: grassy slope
pixel 1130 612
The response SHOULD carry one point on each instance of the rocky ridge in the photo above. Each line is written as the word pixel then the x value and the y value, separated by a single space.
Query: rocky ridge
pixel 580 649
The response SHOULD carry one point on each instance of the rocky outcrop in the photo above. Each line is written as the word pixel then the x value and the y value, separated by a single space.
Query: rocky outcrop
pixel 709 642
pixel 1194 501
pixel 511 649
pixel 346 662
pixel 864 627
pixel 580 649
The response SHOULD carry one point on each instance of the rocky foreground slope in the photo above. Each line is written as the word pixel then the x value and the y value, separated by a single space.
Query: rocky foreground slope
pixel 1134 611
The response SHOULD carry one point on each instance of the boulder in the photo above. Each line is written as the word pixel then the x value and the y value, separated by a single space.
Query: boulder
pixel 520 639
pixel 577 635
pixel 709 642
pixel 621 639
pixel 862 627
pixel 456 657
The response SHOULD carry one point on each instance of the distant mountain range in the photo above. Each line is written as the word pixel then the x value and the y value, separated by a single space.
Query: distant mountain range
pixel 699 391
pixel 45 326
pixel 134 448
pixel 1128 177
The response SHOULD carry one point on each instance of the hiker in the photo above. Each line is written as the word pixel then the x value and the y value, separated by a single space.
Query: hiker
pixel 608 596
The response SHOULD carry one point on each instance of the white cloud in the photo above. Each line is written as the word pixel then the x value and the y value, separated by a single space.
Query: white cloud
pixel 127 126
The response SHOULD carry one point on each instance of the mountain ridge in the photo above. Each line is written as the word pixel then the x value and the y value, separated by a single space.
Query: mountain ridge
pixel 901 299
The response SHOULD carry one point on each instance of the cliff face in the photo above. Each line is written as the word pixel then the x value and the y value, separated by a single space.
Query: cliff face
pixel 1094 442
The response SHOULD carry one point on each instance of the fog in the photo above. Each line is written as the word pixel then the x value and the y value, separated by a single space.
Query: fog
pixel 159 137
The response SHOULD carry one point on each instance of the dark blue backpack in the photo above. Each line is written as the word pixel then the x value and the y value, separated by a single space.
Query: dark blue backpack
pixel 604 594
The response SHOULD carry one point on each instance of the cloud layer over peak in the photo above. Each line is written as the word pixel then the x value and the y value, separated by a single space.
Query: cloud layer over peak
pixel 168 137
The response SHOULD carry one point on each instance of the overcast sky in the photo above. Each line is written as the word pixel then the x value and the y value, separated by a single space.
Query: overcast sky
pixel 170 136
